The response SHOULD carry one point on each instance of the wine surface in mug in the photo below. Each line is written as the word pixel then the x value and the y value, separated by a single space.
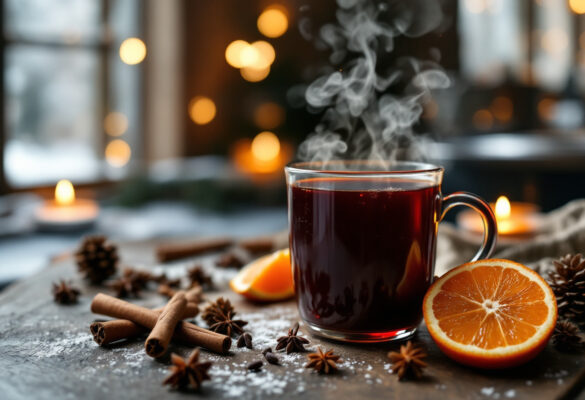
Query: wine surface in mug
pixel 362 251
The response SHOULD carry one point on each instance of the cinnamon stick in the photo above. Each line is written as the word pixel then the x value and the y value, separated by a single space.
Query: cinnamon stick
pixel 194 295
pixel 260 244
pixel 108 332
pixel 185 332
pixel 158 341
pixel 175 251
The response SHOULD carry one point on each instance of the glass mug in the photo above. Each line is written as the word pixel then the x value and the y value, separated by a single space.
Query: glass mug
pixel 362 242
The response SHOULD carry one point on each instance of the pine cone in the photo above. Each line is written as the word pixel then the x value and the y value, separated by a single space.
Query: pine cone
pixel 567 337
pixel 567 281
pixel 97 259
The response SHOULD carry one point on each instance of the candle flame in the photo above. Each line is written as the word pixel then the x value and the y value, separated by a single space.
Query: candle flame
pixel 503 208
pixel 265 146
pixel 64 193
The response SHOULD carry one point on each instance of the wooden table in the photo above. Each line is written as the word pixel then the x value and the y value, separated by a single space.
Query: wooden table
pixel 47 352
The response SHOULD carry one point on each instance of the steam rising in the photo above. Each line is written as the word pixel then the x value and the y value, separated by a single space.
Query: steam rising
pixel 361 119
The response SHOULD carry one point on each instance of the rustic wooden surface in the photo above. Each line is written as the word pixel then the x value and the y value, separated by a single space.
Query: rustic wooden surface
pixel 46 352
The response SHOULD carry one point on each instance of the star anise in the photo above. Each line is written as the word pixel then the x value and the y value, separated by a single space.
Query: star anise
pixel 323 363
pixel 215 309
pixel 64 293
pixel 567 336
pixel 227 325
pixel 292 342
pixel 192 372
pixel 219 316
pixel 164 280
pixel 408 362
pixel 130 284
pixel 198 276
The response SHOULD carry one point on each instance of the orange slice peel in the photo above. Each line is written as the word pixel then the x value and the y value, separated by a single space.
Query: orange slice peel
pixel 267 278
pixel 490 313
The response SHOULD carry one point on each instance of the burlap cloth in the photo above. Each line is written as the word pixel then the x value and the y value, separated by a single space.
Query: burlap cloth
pixel 563 231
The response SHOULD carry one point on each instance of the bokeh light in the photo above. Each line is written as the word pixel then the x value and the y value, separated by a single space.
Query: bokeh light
pixel 253 74
pixel 202 110
pixel 115 123
pixel 554 40
pixel 258 55
pixel 546 109
pixel 483 119
pixel 64 193
pixel 132 51
pixel 233 53
pixel 268 115
pixel 264 56
pixel 502 108
pixel 118 153
pixel 273 22
pixel 265 146
pixel 577 6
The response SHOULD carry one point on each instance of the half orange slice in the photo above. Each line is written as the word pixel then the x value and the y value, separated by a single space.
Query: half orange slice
pixel 268 278
pixel 490 313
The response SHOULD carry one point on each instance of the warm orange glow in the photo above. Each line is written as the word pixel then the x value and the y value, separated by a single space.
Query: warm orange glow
pixel 268 115
pixel 132 51
pixel 265 146
pixel 503 208
pixel 115 123
pixel 118 153
pixel 483 119
pixel 554 40
pixel 273 22
pixel 257 56
pixel 233 53
pixel 64 193
pixel 202 110
pixel 502 108
pixel 265 55
pixel 249 163
pixel 577 6
pixel 546 109
pixel 253 74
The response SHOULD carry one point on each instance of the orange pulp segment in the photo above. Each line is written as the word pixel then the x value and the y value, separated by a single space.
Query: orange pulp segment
pixel 490 313
pixel 268 278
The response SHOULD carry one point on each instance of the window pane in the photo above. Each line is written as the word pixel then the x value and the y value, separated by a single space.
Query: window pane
pixel 67 20
pixel 52 108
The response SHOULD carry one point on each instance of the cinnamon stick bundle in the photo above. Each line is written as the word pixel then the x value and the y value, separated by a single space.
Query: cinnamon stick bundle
pixel 185 332
pixel 108 332
pixel 175 251
pixel 158 341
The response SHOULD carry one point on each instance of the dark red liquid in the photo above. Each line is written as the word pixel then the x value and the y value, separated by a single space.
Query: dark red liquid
pixel 363 259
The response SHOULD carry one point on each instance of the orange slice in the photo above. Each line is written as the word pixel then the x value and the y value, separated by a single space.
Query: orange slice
pixel 268 278
pixel 490 313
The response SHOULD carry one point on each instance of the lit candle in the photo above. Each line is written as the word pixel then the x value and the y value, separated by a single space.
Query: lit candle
pixel 265 155
pixel 514 219
pixel 66 211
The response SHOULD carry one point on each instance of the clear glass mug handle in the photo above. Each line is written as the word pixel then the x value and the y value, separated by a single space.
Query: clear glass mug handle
pixel 490 228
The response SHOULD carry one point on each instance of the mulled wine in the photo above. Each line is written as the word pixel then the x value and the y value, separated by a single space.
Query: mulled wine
pixel 363 259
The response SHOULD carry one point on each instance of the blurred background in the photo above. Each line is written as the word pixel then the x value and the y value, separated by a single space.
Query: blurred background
pixel 177 116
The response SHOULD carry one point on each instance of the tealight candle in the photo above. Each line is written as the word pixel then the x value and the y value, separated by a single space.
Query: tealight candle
pixel 514 219
pixel 66 212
